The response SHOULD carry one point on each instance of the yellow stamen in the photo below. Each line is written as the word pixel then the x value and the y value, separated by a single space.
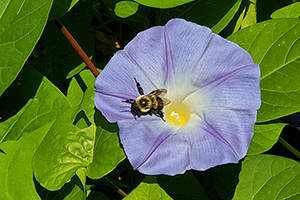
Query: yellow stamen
pixel 177 114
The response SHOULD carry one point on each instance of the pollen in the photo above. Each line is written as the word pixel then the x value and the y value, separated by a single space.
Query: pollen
pixel 177 114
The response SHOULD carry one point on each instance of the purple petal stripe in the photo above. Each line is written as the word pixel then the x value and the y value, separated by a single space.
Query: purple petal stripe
pixel 162 137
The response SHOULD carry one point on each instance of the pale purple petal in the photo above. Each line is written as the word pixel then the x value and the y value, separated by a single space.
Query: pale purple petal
pixel 239 89
pixel 152 147
pixel 219 136
pixel 141 137
pixel 199 57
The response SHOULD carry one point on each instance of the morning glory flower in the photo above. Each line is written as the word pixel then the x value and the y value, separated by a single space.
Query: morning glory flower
pixel 213 86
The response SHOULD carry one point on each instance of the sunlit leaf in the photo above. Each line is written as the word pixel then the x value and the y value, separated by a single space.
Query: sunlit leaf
pixel 108 152
pixel 9 9
pixel 227 17
pixel 125 9
pixel 268 177
pixel 17 41
pixel 20 92
pixel 251 13
pixel 46 106
pixel 275 45
pixel 78 86
pixel 148 189
pixel 163 3
pixel 64 150
pixel 290 11
pixel 138 22
pixel 15 167
pixel 71 191
pixel 265 136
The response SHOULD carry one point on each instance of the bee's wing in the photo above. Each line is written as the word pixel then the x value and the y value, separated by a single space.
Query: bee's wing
pixel 160 92
pixel 166 101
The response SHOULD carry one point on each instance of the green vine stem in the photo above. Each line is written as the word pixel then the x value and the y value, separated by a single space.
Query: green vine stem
pixel 289 147
pixel 121 192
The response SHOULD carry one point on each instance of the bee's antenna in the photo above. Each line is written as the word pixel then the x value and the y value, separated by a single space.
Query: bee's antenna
pixel 129 101
pixel 140 89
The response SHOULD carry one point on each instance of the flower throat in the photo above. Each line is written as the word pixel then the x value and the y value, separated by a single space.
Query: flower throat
pixel 177 114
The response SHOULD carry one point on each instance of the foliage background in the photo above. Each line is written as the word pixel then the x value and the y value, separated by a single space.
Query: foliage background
pixel 54 144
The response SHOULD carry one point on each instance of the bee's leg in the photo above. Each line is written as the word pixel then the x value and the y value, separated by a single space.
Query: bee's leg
pixel 140 89
pixel 138 114
pixel 129 101
pixel 160 114
pixel 150 112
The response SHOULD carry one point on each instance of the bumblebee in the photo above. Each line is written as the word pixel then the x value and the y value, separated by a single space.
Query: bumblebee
pixel 152 103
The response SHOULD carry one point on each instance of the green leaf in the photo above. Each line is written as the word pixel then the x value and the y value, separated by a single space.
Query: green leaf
pixel 148 189
pixel 20 36
pixel 108 153
pixel 265 8
pixel 222 23
pixel 275 45
pixel 182 186
pixel 290 11
pixel 137 22
pixel 265 136
pixel 71 191
pixel 250 17
pixel 60 8
pixel 16 173
pixel 125 9
pixel 64 150
pixel 43 110
pixel 77 69
pixel 20 92
pixel 239 21
pixel 163 3
pixel 78 87
pixel 201 13
pixel 81 93
pixel 72 137
pixel 235 23
pixel 9 9
pixel 268 177
pixel 74 190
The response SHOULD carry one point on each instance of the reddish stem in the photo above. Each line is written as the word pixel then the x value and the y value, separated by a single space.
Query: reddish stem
pixel 77 48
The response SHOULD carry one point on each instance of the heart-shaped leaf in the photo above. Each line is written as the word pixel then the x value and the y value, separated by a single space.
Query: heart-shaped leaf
pixel 268 177
pixel 275 45
pixel 17 40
